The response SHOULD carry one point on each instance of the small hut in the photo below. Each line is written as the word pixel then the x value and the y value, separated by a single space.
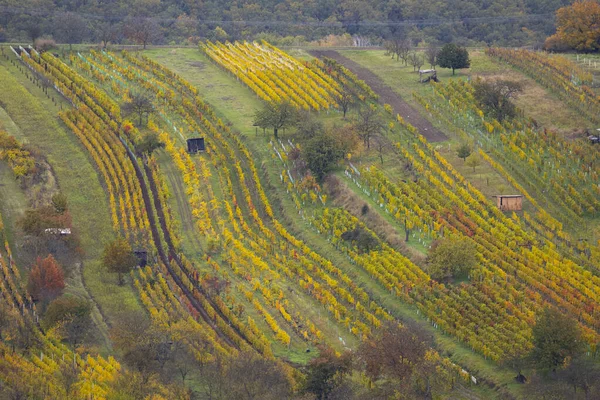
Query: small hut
pixel 195 145
pixel 509 202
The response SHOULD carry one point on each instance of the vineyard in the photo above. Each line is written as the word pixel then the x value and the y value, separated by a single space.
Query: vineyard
pixel 249 255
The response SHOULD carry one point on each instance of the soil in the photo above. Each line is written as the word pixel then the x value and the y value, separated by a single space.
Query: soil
pixel 387 95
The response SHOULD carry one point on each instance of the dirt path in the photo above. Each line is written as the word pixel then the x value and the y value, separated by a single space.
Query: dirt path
pixel 387 95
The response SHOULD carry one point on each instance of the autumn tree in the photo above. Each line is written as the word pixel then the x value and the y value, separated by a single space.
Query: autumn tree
pixel 46 279
pixel 118 257
pixel 148 143
pixel 249 376
pixel 393 352
pixel 145 347
pixel 556 337
pixel 139 103
pixel 327 372
pixel 583 373
pixel 450 257
pixel 577 27
pixel 276 116
pixel 463 151
pixel 496 97
pixel 71 314
pixel 323 151
pixel 473 161
pixel 454 57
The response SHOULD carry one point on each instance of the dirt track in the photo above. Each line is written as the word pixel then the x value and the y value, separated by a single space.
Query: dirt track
pixel 387 95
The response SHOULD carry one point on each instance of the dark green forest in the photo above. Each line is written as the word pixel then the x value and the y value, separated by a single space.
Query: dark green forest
pixel 467 22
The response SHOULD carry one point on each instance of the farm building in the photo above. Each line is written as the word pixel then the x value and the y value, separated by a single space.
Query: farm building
pixel 509 202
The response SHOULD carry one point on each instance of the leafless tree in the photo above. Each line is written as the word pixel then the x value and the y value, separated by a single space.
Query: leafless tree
pixel 369 123
pixel 70 28
pixel 346 99
pixel 431 54
pixel 399 47
pixel 142 30
pixel 416 61
pixel 106 33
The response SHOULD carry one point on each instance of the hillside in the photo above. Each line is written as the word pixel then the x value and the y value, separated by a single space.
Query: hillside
pixel 263 256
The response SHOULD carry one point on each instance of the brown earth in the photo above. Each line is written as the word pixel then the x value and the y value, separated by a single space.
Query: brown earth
pixel 387 95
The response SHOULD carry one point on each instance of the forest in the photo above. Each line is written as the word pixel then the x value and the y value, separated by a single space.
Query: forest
pixel 469 22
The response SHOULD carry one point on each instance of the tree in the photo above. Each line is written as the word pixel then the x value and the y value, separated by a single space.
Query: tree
pixel 148 143
pixel 473 161
pixel 46 279
pixel 145 347
pixel 555 337
pixel 495 97
pixel 463 151
pixel 59 202
pixel 431 55
pixel 72 315
pixel 326 372
pixel 369 123
pixel 393 352
pixel 416 60
pixel 119 258
pixel 399 47
pixel 33 27
pixel 276 116
pixel 454 57
pixel 346 98
pixel 310 127
pixel 577 27
pixel 363 240
pixel 142 30
pixel 70 28
pixel 139 103
pixel 106 33
pixel 451 257
pixel 322 153
pixel 582 373
pixel 250 376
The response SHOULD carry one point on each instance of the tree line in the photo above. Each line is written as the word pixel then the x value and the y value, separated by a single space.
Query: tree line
pixel 504 22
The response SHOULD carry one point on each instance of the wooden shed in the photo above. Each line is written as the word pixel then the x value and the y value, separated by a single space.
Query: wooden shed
pixel 509 202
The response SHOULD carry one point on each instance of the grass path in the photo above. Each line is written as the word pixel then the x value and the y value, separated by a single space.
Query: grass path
pixel 36 117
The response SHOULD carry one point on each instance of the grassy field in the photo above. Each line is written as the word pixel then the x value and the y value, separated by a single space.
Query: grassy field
pixel 35 115
pixel 536 101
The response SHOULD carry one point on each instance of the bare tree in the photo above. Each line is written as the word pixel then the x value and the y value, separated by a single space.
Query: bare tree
pixel 368 124
pixel 416 61
pixel 250 376
pixel 345 99
pixel 143 31
pixel 106 33
pixel 70 28
pixel 398 47
pixel 431 54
